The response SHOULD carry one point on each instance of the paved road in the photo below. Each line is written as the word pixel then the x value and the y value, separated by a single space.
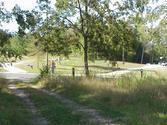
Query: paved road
pixel 128 70
pixel 14 73
pixel 12 69
pixel 18 76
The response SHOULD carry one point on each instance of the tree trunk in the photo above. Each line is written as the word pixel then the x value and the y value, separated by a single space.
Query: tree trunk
pixel 152 59
pixel 85 32
pixel 86 66
pixel 152 55
pixel 123 55
pixel 142 56
pixel 47 62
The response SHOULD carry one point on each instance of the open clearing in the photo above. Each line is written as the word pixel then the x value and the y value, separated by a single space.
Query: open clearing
pixel 66 64
pixel 127 100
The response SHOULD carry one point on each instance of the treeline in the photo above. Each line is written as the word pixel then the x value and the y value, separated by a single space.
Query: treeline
pixel 129 30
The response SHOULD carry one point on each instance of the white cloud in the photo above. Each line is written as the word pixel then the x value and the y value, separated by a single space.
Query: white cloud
pixel 12 26
pixel 9 4
pixel 24 4
pixel 30 4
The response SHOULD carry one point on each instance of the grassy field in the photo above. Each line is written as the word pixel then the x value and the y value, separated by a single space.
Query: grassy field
pixel 37 62
pixel 130 100
pixel 65 66
pixel 12 109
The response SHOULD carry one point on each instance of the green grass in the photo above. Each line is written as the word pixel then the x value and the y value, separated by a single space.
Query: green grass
pixel 2 70
pixel 76 61
pixel 162 72
pixel 97 66
pixel 55 111
pixel 28 68
pixel 129 100
pixel 12 109
pixel 36 61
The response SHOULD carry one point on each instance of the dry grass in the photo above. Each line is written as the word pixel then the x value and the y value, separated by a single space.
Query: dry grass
pixel 162 72
pixel 129 65
pixel 131 99
pixel 3 85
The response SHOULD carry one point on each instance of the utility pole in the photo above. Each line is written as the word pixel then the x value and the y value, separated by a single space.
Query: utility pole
pixel 152 52
pixel 47 55
pixel 47 58
pixel 142 56
pixel 123 55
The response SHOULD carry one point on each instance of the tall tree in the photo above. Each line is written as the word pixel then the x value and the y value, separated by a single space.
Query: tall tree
pixel 143 15
pixel 81 10
pixel 94 20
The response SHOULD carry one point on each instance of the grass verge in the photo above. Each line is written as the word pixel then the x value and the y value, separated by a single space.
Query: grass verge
pixel 12 109
pixel 55 111
pixel 131 100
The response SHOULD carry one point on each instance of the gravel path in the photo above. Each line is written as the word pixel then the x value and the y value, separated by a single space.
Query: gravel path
pixel 94 118
pixel 93 115
pixel 12 69
pixel 149 67
pixel 38 119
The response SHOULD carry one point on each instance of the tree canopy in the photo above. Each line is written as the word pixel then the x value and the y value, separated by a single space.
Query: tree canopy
pixel 127 30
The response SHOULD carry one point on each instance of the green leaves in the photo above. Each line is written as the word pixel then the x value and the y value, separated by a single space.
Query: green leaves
pixel 16 47
pixel 55 40
pixel 5 16
pixel 99 27
pixel 25 19
pixel 4 37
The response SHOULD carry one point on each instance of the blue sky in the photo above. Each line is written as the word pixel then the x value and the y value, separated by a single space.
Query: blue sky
pixel 24 4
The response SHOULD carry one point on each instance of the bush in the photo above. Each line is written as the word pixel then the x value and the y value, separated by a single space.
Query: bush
pixel 44 72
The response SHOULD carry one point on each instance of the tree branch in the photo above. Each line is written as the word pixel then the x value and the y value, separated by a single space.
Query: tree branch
pixel 72 24
pixel 81 45
pixel 80 12
pixel 86 11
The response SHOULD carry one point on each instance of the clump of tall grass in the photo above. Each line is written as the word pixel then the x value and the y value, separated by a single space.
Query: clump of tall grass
pixel 127 82
pixel 132 98
pixel 3 85
pixel 126 88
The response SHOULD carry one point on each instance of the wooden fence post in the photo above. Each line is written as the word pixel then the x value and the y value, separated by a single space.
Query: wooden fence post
pixel 141 71
pixel 73 72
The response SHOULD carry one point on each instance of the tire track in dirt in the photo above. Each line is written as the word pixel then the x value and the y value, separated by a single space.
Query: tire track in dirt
pixel 93 115
pixel 38 119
